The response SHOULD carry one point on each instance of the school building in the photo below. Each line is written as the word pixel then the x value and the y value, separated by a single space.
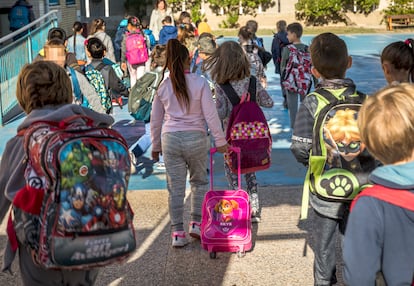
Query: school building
pixel 113 11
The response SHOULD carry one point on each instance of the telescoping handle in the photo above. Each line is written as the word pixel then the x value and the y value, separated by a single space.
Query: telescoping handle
pixel 231 148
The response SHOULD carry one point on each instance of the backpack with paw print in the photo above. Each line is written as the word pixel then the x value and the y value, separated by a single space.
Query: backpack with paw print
pixel 339 163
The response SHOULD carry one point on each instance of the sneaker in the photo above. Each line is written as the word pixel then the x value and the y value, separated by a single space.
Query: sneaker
pixel 255 207
pixel 133 162
pixel 195 230
pixel 159 166
pixel 179 239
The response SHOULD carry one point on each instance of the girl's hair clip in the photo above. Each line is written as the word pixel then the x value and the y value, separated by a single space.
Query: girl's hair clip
pixel 86 42
pixel 408 43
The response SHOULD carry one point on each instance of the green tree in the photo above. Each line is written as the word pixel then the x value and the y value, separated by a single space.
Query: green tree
pixel 320 12
pixel 192 6
pixel 400 7
pixel 364 6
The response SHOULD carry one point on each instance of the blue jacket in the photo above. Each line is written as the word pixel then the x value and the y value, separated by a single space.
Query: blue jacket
pixel 379 236
pixel 166 33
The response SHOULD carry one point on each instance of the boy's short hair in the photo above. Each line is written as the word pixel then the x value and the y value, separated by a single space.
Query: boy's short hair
pixel 252 26
pixel 43 83
pixel 329 55
pixel 281 25
pixel 56 33
pixel 386 123
pixel 96 48
pixel 295 28
pixel 167 20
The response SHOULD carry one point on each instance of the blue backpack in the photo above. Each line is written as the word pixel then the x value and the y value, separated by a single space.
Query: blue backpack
pixel 19 17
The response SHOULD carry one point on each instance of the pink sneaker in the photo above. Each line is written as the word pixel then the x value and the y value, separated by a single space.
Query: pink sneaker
pixel 195 229
pixel 179 239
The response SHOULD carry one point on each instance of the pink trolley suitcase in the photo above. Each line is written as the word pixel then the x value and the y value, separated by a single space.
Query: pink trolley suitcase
pixel 226 222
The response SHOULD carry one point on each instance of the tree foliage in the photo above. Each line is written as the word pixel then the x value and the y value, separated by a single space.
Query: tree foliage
pixel 322 12
pixel 319 12
pixel 400 7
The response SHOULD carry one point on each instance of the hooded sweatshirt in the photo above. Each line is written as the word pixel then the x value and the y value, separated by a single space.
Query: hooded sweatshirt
pixel 167 32
pixel 379 235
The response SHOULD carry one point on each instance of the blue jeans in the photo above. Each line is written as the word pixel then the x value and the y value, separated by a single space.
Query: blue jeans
pixel 185 151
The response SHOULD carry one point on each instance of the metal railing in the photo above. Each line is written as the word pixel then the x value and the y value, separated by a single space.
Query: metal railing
pixel 14 54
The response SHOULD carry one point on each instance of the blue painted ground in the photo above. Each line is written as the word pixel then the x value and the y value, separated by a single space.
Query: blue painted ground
pixel 366 72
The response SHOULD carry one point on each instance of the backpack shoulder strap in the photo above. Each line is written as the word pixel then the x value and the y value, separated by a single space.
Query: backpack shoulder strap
pixel 76 87
pixel 400 198
pixel 100 66
pixel 252 88
pixel 231 93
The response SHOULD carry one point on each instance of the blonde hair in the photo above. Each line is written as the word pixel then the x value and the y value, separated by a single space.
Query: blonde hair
pixel 43 83
pixel 386 123
pixel 228 63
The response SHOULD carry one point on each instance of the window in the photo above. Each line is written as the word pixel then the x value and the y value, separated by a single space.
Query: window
pixel 53 2
pixel 70 2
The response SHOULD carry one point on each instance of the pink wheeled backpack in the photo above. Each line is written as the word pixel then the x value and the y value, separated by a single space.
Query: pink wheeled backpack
pixel 226 222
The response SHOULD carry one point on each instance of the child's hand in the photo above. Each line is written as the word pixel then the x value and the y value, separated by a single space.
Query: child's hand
pixel 223 149
pixel 124 66
pixel 155 156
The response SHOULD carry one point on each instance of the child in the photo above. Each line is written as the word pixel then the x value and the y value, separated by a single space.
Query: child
pixel 186 35
pixel 229 64
pixel 76 44
pixel 158 60
pixel 44 93
pixel 294 33
pixel 55 51
pixel 279 41
pixel 397 61
pixel 256 65
pixel 135 70
pixel 378 243
pixel 330 215
pixel 115 87
pixel 206 45
pixel 98 30
pixel 168 31
pixel 181 108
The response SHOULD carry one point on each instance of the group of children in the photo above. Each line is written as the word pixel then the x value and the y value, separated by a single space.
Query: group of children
pixel 376 234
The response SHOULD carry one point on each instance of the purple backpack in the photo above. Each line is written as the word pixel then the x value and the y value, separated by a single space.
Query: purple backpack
pixel 136 48
pixel 247 129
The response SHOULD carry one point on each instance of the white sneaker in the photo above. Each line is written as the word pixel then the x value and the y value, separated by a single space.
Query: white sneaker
pixel 159 166
pixel 179 239
pixel 195 230
pixel 133 162
pixel 255 206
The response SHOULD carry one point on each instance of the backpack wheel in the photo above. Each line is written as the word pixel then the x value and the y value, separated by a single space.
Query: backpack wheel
pixel 213 255
pixel 241 254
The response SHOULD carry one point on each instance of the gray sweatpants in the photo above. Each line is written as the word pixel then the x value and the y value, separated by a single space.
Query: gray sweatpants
pixel 185 150
pixel 33 275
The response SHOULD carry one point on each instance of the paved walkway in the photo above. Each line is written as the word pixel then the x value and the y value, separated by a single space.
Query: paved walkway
pixel 282 253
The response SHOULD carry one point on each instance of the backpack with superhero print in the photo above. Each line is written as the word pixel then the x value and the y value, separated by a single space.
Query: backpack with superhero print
pixel 248 130
pixel 297 76
pixel 136 48
pixel 73 212
pixel 339 163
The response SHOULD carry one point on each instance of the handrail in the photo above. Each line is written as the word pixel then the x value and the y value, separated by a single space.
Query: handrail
pixel 16 50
